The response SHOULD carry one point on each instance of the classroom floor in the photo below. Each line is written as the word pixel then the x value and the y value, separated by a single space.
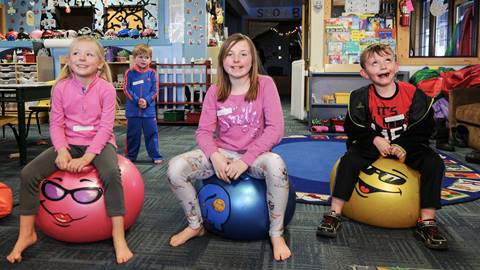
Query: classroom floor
pixel 356 245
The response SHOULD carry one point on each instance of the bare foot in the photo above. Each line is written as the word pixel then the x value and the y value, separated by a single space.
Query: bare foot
pixel 185 235
pixel 158 161
pixel 23 242
pixel 122 252
pixel 281 252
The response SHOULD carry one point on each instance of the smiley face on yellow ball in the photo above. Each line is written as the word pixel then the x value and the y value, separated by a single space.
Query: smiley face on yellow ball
pixel 386 195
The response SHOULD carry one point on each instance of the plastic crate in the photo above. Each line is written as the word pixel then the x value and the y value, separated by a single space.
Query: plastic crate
pixel 342 97
pixel 193 117
pixel 174 115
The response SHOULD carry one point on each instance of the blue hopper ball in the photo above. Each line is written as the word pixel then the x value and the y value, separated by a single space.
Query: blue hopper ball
pixel 238 210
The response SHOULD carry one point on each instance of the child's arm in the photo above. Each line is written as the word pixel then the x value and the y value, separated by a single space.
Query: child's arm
pixel 420 126
pixel 128 89
pixel 361 134
pixel 57 119
pixel 208 123
pixel 107 118
pixel 274 125
pixel 204 134
pixel 151 97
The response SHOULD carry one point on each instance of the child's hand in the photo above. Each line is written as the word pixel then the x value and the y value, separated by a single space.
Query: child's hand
pixel 235 169
pixel 63 158
pixel 77 164
pixel 220 163
pixel 142 103
pixel 383 146
pixel 399 153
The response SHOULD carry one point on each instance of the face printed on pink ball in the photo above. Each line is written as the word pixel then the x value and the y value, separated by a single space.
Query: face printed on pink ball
pixel 53 191
pixel 69 199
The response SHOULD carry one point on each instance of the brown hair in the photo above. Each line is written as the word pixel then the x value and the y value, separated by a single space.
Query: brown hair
pixel 377 48
pixel 142 49
pixel 224 84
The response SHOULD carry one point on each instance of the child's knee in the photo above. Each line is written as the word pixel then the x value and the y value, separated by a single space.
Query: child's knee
pixel 177 167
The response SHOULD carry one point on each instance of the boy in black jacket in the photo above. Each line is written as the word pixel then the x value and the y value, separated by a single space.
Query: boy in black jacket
pixel 395 119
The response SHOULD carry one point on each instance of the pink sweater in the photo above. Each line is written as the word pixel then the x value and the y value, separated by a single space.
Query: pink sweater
pixel 83 117
pixel 250 128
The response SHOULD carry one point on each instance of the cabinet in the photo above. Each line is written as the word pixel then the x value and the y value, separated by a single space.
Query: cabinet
pixel 324 85
pixel 20 73
pixel 118 70
pixel 13 73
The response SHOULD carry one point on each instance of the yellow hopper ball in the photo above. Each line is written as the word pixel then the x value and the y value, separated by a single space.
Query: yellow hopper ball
pixel 387 194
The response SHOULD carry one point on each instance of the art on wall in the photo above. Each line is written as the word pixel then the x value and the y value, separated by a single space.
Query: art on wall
pixel 133 16
pixel 215 19
pixel 46 17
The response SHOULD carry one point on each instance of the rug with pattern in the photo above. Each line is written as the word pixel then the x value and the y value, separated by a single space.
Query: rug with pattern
pixel 310 160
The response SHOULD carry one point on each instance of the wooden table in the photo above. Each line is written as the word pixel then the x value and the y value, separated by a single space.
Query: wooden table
pixel 24 93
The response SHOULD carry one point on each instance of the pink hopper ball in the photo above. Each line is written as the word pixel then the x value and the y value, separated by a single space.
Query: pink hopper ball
pixel 72 206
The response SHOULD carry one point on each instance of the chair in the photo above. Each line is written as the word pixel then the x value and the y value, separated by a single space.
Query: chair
pixel 10 121
pixel 42 106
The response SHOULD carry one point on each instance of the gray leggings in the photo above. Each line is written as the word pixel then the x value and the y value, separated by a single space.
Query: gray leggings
pixel 184 169
pixel 43 165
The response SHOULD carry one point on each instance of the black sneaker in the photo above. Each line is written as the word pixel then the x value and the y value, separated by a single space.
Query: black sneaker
pixel 330 225
pixel 428 232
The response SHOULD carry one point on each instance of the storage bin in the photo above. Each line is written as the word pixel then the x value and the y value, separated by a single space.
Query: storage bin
pixel 174 115
pixel 30 58
pixel 342 97
pixel 193 117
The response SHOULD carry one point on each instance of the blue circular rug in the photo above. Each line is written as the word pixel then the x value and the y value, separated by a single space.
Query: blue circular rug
pixel 310 160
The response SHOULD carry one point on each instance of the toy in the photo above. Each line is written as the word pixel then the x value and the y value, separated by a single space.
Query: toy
pixel 123 33
pixel 70 34
pixel 148 32
pixel 133 33
pixel 238 210
pixel 110 34
pixel 85 31
pixel 72 206
pixel 36 34
pixel 6 200
pixel 387 195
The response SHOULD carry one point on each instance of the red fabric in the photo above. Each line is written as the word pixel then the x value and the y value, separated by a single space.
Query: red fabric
pixel 466 77
pixel 6 200
pixel 466 38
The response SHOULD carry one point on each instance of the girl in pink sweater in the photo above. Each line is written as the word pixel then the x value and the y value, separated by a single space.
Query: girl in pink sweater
pixel 81 128
pixel 241 121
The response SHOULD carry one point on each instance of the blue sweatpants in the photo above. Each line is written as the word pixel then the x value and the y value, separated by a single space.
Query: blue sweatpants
pixel 135 125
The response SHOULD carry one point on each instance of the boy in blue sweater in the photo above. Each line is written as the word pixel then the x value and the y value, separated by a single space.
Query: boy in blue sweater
pixel 141 91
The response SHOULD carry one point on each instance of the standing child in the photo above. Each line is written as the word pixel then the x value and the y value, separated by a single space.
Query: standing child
pixel 241 121
pixel 389 118
pixel 81 128
pixel 141 91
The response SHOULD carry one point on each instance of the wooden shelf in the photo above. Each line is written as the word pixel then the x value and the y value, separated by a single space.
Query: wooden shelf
pixel 183 84
pixel 177 123
pixel 178 103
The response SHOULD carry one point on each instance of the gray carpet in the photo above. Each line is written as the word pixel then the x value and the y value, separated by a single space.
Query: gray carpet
pixel 357 244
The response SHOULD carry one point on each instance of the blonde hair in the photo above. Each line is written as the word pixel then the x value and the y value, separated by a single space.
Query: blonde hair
pixel 224 83
pixel 142 49
pixel 105 72
pixel 380 49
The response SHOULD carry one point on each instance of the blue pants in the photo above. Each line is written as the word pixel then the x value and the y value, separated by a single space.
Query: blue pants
pixel 135 125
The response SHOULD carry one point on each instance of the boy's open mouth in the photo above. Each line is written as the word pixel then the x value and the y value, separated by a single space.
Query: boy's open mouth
pixel 384 75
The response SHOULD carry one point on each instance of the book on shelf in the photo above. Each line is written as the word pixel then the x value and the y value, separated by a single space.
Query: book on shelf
pixel 335 47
